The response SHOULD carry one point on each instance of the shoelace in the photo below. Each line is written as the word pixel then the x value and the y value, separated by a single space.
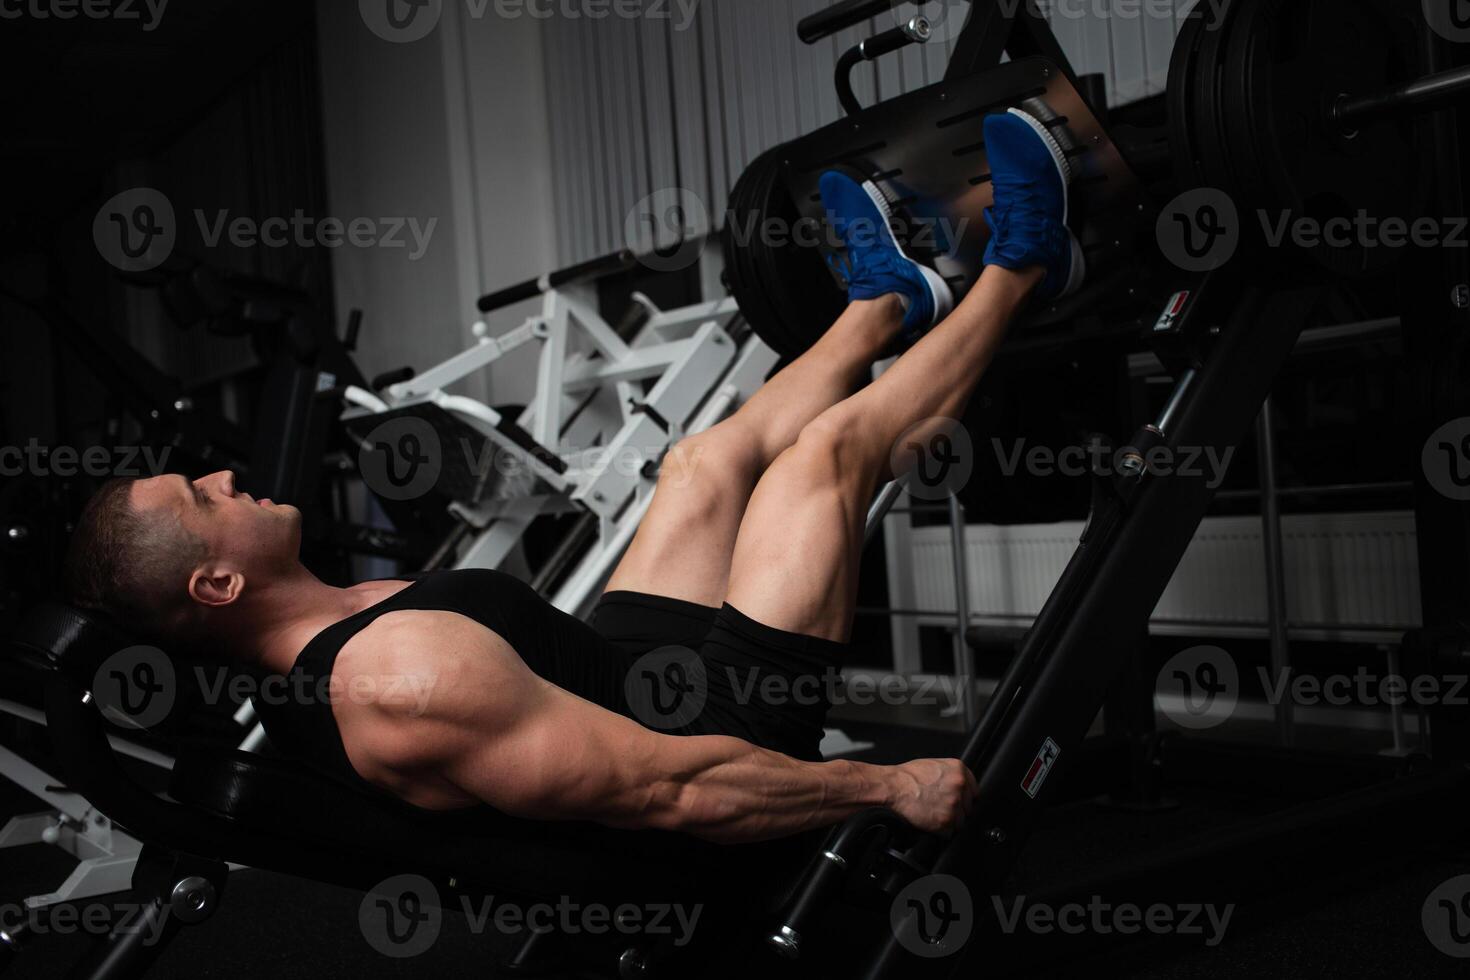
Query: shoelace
pixel 1034 224
pixel 1019 189
pixel 874 267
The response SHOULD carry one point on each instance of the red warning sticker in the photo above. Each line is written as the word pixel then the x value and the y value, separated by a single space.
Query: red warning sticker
pixel 1040 766
pixel 1172 312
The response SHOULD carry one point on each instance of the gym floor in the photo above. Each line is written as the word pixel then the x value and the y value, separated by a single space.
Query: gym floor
pixel 1364 922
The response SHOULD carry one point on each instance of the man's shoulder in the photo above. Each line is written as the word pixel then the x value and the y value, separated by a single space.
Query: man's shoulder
pixel 418 641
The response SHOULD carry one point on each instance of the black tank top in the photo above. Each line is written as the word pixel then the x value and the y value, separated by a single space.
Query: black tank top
pixel 569 653
pixel 557 647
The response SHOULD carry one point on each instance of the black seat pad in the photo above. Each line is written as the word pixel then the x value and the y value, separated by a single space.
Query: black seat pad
pixel 314 825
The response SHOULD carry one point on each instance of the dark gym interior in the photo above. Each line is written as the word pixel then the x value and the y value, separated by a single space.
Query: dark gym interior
pixel 1193 618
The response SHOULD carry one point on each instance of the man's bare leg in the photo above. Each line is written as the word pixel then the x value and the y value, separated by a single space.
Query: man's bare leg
pixel 683 546
pixel 796 558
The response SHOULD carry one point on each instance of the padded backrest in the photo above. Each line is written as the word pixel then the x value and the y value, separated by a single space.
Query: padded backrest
pixel 60 635
pixel 318 821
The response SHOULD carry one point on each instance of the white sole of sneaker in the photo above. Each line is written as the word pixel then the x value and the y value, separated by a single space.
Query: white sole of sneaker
pixel 1058 157
pixel 1078 273
pixel 939 290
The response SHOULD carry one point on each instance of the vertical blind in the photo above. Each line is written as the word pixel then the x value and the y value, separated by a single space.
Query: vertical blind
pixel 673 104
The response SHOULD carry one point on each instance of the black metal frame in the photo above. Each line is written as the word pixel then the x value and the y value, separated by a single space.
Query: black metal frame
pixel 1136 535
pixel 1017 29
pixel 1234 336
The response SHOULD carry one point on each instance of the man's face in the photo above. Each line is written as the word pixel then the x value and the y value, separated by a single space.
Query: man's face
pixel 242 534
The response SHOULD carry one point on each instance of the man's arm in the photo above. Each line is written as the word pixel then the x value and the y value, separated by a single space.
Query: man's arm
pixel 473 723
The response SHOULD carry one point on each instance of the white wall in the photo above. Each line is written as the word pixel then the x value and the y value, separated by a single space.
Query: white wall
pixel 450 128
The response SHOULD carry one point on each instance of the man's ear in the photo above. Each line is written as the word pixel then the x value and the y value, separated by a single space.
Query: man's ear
pixel 216 586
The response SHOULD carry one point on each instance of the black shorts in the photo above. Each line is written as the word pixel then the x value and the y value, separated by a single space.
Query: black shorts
pixel 708 671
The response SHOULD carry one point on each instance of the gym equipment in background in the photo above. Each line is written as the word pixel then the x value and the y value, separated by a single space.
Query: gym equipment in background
pixel 925 151
pixel 609 403
pixel 1292 110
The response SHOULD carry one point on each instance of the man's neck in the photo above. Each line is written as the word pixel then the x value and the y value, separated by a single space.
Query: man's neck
pixel 292 608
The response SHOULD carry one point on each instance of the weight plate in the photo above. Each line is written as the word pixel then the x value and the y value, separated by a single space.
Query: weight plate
pixel 1305 56
pixel 1239 120
pixel 1181 87
pixel 1209 129
pixel 784 289
pixel 926 150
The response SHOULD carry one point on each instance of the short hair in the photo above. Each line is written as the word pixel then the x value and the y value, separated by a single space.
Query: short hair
pixel 128 564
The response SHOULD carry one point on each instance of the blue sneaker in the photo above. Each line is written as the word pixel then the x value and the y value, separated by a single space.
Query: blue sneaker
pixel 1028 223
pixel 877 264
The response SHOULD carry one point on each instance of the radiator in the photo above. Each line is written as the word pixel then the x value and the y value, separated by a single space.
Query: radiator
pixel 1344 573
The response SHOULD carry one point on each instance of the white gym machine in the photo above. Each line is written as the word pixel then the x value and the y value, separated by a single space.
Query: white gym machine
pixel 607 408
pixel 105 854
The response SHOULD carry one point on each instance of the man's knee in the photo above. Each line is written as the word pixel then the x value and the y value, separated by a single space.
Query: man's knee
pixel 829 450
pixel 708 460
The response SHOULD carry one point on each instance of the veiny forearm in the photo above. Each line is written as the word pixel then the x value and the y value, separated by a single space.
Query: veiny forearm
pixel 729 791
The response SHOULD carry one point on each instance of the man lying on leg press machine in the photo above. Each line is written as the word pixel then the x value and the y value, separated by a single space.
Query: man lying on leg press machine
pixel 752 563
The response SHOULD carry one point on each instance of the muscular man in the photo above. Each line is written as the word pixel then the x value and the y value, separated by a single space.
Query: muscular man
pixel 465 688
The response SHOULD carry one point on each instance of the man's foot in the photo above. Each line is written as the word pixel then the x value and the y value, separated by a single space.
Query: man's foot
pixel 1028 223
pixel 877 264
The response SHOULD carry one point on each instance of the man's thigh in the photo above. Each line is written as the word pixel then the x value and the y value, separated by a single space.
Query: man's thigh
pixel 683 546
pixel 737 677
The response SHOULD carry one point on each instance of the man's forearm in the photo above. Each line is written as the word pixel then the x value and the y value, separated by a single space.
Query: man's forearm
pixel 729 791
